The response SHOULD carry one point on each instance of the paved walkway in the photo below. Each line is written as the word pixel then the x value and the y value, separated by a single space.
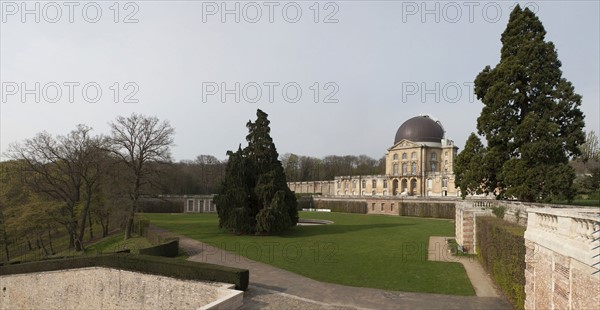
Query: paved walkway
pixel 274 288
pixel 439 251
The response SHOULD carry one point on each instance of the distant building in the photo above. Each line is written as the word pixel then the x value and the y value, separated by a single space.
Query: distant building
pixel 419 163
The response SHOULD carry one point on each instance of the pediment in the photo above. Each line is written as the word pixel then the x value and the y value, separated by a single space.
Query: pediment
pixel 403 144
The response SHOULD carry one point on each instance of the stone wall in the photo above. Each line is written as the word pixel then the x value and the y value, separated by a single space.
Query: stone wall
pixel 563 259
pixel 105 288
pixel 313 187
pixel 383 206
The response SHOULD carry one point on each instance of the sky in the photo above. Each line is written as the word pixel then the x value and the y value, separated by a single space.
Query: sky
pixel 335 77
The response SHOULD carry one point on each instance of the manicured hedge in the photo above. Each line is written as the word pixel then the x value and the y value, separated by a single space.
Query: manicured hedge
pixel 160 206
pixel 304 202
pixel 345 206
pixel 168 249
pixel 162 266
pixel 501 250
pixel 426 209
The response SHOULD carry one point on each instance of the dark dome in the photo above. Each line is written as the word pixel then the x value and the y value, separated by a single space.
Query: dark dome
pixel 420 129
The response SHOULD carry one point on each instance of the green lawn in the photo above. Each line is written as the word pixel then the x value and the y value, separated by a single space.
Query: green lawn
pixel 386 252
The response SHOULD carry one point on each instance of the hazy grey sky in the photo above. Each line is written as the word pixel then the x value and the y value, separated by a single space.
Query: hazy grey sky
pixel 380 60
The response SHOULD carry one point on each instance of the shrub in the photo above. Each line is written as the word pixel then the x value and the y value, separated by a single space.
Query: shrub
pixel 501 250
pixel 168 249
pixel 162 266
pixel 499 211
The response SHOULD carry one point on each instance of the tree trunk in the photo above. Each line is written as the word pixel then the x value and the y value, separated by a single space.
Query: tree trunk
pixel 105 232
pixel 50 242
pixel 90 224
pixel 41 242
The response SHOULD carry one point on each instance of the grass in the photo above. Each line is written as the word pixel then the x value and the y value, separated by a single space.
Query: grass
pixel 385 252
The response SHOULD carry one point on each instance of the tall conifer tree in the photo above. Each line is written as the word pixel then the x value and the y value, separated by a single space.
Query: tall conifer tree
pixel 531 117
pixel 254 196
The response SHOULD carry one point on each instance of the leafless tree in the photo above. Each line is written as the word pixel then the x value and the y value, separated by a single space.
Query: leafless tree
pixel 589 149
pixel 138 141
pixel 66 169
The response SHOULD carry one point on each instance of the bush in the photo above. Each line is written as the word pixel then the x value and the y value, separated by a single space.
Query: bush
pixel 345 206
pixel 501 250
pixel 499 211
pixel 168 249
pixel 423 209
pixel 162 266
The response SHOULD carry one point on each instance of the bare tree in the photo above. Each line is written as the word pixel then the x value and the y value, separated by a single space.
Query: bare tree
pixel 589 149
pixel 62 167
pixel 138 141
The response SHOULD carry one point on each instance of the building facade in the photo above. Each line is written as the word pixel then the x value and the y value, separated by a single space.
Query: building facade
pixel 419 163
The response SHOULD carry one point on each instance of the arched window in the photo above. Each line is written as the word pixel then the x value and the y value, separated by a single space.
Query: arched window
pixel 374 183
pixel 395 156
pixel 434 156
pixel 413 168
pixel 413 155
pixel 396 168
pixel 404 169
pixel 433 166
pixel 384 183
pixel 404 156
pixel 364 183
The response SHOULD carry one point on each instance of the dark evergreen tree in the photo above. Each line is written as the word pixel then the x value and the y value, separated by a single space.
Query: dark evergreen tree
pixel 254 196
pixel 531 117
pixel 470 177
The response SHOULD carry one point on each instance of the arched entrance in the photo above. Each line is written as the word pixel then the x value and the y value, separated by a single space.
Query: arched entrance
pixel 404 185
pixel 413 187
pixel 395 187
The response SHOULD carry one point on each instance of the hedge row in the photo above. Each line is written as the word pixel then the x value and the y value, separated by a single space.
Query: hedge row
pixel 345 206
pixel 424 209
pixel 168 249
pixel 160 206
pixel 501 250
pixel 304 202
pixel 161 266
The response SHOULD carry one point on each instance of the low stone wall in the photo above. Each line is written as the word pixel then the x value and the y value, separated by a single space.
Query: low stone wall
pixel 106 288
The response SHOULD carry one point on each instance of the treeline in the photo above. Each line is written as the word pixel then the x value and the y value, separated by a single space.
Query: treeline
pixel 305 168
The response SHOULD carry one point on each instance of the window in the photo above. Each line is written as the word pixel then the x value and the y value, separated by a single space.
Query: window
pixel 392 207
pixel 446 154
pixel 373 207
pixel 404 156
pixel 338 184
pixel 363 183
pixel 413 168
pixel 396 168
pixel 382 205
pixel 413 155
pixel 429 183
pixel 373 193
pixel 404 169
pixel 395 156
pixel 384 183
pixel 433 166
pixel 433 156
pixel 444 182
pixel 374 183
pixel 354 184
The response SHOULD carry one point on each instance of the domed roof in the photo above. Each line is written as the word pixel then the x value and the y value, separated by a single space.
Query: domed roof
pixel 420 129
